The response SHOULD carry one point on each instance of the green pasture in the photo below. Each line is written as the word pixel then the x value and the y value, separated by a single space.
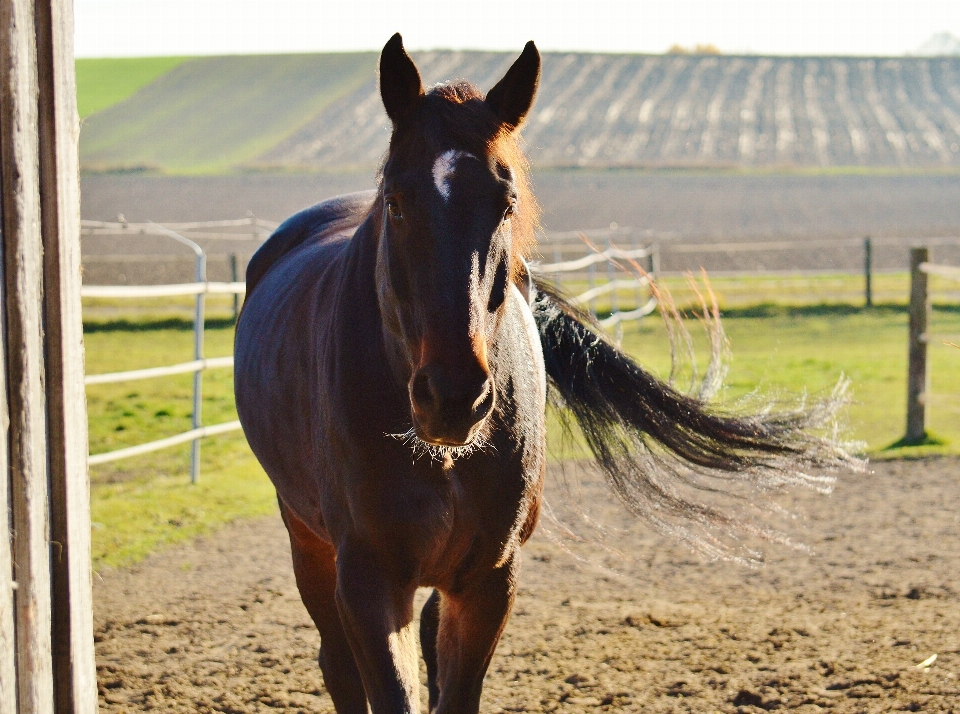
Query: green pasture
pixel 103 82
pixel 746 291
pixel 783 352
pixel 216 114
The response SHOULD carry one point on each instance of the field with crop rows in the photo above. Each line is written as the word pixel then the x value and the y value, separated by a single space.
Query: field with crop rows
pixel 323 112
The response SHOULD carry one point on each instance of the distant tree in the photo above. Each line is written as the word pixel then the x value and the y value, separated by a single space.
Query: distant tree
pixel 708 49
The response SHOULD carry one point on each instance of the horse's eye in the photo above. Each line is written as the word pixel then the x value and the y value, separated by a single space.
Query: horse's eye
pixel 509 212
pixel 393 208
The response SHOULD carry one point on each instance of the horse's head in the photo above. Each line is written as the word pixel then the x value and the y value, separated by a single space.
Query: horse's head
pixel 455 214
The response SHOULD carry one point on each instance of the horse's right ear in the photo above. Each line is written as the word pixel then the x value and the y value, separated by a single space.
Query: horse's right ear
pixel 400 85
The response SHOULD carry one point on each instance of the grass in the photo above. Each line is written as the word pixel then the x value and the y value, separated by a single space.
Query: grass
pixel 146 502
pixel 101 83
pixel 787 352
pixel 831 291
pixel 218 114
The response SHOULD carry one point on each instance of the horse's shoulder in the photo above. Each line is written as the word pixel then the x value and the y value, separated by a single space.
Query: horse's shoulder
pixel 338 215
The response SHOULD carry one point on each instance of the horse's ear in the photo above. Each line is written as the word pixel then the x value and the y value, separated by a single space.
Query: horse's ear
pixel 512 97
pixel 400 85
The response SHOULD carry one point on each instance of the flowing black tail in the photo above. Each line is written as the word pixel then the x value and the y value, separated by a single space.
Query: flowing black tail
pixel 651 440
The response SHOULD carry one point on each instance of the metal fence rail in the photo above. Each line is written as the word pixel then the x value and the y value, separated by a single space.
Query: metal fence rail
pixel 243 229
pixel 624 273
pixel 200 288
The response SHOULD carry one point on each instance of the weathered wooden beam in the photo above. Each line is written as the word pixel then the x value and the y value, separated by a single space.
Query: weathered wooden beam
pixel 8 638
pixel 917 349
pixel 22 283
pixel 75 689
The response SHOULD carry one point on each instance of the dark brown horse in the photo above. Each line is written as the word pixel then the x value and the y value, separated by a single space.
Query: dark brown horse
pixel 392 365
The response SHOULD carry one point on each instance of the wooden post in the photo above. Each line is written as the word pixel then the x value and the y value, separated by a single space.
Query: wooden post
pixel 75 685
pixel 22 280
pixel 868 271
pixel 46 652
pixel 917 364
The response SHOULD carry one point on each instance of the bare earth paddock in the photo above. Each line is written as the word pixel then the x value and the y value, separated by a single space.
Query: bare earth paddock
pixel 217 625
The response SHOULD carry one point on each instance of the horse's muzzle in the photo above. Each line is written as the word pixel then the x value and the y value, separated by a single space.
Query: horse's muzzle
pixel 449 411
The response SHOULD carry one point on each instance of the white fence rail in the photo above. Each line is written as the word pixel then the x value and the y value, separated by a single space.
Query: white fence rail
pixel 199 288
pixel 617 278
pixel 624 274
pixel 621 276
pixel 193 435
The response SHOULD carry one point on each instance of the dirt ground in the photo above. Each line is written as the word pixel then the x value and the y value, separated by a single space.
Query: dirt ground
pixel 217 625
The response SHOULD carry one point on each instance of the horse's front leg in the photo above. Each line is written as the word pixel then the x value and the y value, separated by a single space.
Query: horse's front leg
pixel 375 601
pixel 471 622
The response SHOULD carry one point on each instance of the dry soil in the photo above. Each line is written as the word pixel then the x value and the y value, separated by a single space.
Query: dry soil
pixel 217 625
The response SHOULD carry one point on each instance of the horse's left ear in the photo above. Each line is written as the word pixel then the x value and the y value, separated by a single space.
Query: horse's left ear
pixel 512 97
pixel 400 85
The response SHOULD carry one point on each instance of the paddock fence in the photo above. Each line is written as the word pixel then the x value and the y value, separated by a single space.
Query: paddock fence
pixel 199 289
pixel 610 272
pixel 831 270
pixel 618 279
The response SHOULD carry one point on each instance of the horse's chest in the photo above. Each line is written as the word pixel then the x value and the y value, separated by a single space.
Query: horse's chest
pixel 480 525
pixel 449 522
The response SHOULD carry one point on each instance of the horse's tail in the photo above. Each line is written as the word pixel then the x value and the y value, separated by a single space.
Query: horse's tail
pixel 650 440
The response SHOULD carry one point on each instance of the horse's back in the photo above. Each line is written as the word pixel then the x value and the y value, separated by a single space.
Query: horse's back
pixel 336 216
pixel 292 289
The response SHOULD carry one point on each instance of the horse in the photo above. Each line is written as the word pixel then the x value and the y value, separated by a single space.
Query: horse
pixel 393 363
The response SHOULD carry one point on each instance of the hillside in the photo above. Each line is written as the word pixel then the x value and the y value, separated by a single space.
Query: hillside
pixel 214 113
pixel 103 82
pixel 322 112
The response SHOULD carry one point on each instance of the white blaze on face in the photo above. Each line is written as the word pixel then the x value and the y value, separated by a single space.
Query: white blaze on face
pixel 443 169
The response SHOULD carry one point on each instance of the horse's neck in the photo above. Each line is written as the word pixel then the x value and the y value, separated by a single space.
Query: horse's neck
pixel 362 347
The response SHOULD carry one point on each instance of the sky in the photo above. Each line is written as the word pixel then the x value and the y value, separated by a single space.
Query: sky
pixel 121 28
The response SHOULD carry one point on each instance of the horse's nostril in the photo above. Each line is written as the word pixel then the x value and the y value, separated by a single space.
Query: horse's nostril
pixel 484 402
pixel 422 391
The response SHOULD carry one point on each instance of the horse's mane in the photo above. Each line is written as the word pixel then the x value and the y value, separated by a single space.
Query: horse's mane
pixel 455 112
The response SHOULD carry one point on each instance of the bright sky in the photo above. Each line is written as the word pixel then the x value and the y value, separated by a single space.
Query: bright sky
pixel 107 28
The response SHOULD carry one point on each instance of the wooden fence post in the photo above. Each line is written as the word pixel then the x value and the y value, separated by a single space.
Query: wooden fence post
pixel 46 652
pixel 868 271
pixel 917 364
pixel 75 682
pixel 24 355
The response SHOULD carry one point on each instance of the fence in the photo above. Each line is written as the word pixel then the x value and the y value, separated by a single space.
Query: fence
pixel 918 377
pixel 617 262
pixel 610 271
pixel 200 288
pixel 799 270
pixel 617 278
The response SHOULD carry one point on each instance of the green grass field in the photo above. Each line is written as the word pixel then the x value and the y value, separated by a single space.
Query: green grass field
pixel 146 502
pixel 213 114
pixel 101 83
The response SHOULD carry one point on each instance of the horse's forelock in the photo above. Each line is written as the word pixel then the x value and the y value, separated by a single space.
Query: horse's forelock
pixel 454 114
pixel 481 127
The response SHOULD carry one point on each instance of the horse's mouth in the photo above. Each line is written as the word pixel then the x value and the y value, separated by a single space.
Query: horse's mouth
pixel 447 438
